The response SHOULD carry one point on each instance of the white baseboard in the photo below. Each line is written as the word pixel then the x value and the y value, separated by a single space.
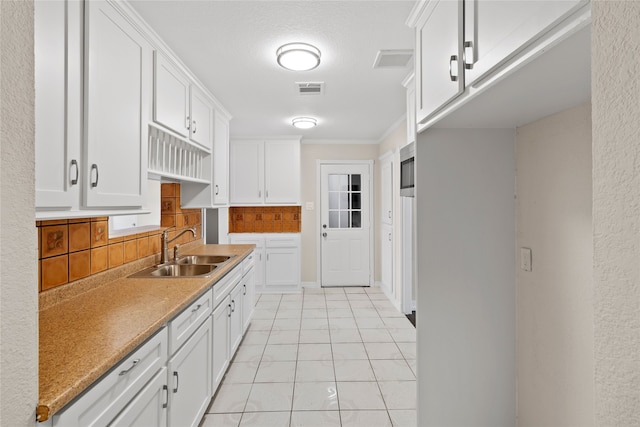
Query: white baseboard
pixel 393 301
pixel 310 284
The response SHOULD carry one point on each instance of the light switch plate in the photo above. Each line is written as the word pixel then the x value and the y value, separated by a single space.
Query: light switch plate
pixel 309 206
pixel 525 259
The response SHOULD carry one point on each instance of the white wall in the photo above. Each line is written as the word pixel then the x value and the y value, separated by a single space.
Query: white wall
pixel 18 240
pixel 555 299
pixel 616 210
pixel 309 153
pixel 466 278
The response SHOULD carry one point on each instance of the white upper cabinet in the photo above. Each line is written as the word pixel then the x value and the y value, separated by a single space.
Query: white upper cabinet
pixel 201 128
pixel 220 161
pixel 439 56
pixel 179 105
pixel 495 30
pixel 282 172
pixel 246 170
pixel 410 85
pixel 171 96
pixel 118 80
pixel 58 103
pixel 265 172
pixel 464 45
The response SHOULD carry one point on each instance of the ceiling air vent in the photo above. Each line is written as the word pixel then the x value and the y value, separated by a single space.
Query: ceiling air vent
pixel 310 88
pixel 393 58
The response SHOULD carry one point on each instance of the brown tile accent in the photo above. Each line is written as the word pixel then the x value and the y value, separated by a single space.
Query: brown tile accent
pixel 99 259
pixel 54 222
pixel 116 240
pixel 100 218
pixel 265 219
pixel 99 233
pixel 168 190
pixel 79 265
pixel 168 220
pixel 55 271
pixel 154 243
pixel 78 220
pixel 55 240
pixel 79 236
pixel 143 247
pixel 39 276
pixel 167 205
pixel 116 254
pixel 130 250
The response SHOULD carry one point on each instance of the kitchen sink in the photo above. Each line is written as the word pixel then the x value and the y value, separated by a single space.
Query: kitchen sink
pixel 177 270
pixel 203 259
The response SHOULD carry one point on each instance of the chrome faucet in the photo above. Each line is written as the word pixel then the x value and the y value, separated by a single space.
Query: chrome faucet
pixel 164 258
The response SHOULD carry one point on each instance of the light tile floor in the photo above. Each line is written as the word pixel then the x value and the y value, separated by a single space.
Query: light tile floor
pixel 333 357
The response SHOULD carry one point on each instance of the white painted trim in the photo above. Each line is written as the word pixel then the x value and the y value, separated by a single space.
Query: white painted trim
pixel 341 141
pixel 387 155
pixel 266 138
pixel 395 125
pixel 319 163
pixel 409 79
pixel 310 284
pixel 390 297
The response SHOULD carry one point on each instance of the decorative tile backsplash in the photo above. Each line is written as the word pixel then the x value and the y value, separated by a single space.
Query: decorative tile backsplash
pixel 263 219
pixel 72 249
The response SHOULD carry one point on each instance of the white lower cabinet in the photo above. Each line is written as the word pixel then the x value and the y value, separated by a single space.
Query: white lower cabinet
pixel 386 256
pixel 235 326
pixel 277 260
pixel 170 379
pixel 190 379
pixel 221 340
pixel 149 408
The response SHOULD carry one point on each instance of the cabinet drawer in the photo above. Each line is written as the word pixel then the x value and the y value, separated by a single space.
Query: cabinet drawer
pixel 101 403
pixel 225 285
pixel 185 323
pixel 248 263
pixel 283 242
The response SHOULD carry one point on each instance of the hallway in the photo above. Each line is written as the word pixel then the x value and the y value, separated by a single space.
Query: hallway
pixel 332 357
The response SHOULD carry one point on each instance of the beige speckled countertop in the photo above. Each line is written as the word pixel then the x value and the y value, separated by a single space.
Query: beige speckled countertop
pixel 81 338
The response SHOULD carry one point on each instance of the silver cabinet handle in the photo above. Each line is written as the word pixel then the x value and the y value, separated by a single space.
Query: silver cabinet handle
pixel 259 193
pixel 166 401
pixel 266 193
pixel 389 236
pixel 451 76
pixel 469 59
pixel 389 214
pixel 175 374
pixel 194 126
pixel 217 190
pixel 133 365
pixel 233 309
pixel 197 308
pixel 74 163
pixel 324 234
pixel 267 257
pixel 245 289
pixel 188 123
pixel 229 315
pixel 94 184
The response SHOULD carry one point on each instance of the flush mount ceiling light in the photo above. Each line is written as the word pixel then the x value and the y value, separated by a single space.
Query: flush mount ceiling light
pixel 304 122
pixel 298 56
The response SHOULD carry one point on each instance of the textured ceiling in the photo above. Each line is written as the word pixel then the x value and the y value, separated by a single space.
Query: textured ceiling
pixel 230 46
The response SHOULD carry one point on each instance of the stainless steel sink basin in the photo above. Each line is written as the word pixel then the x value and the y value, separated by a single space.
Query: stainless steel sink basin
pixel 177 270
pixel 203 259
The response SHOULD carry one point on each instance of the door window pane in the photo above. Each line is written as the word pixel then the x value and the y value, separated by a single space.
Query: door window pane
pixel 333 220
pixel 356 219
pixel 344 219
pixel 355 182
pixel 345 200
pixel 333 200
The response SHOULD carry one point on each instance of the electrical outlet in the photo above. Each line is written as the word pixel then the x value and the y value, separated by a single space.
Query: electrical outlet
pixel 525 259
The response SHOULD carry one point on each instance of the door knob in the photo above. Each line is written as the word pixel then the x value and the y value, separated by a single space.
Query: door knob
pixel 324 234
pixel 324 225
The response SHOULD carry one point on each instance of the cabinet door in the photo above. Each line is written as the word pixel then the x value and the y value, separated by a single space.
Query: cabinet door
pixel 282 172
pixel 221 339
pixel 58 103
pixel 190 379
pixel 282 267
pixel 497 30
pixel 411 111
pixel 386 258
pixel 201 130
pixel 248 298
pixel 246 172
pixel 386 183
pixel 117 97
pixel 220 161
pixel 439 65
pixel 235 327
pixel 149 407
pixel 171 96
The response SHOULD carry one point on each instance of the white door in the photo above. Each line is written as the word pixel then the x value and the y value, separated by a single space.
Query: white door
pixel 282 166
pixel 345 224
pixel 201 118
pixel 221 318
pixel 220 160
pixel 246 168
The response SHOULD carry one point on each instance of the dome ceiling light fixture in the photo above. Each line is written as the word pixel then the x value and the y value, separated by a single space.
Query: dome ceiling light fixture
pixel 304 122
pixel 298 56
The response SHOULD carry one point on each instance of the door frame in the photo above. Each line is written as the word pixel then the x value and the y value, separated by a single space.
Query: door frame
pixel 372 249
